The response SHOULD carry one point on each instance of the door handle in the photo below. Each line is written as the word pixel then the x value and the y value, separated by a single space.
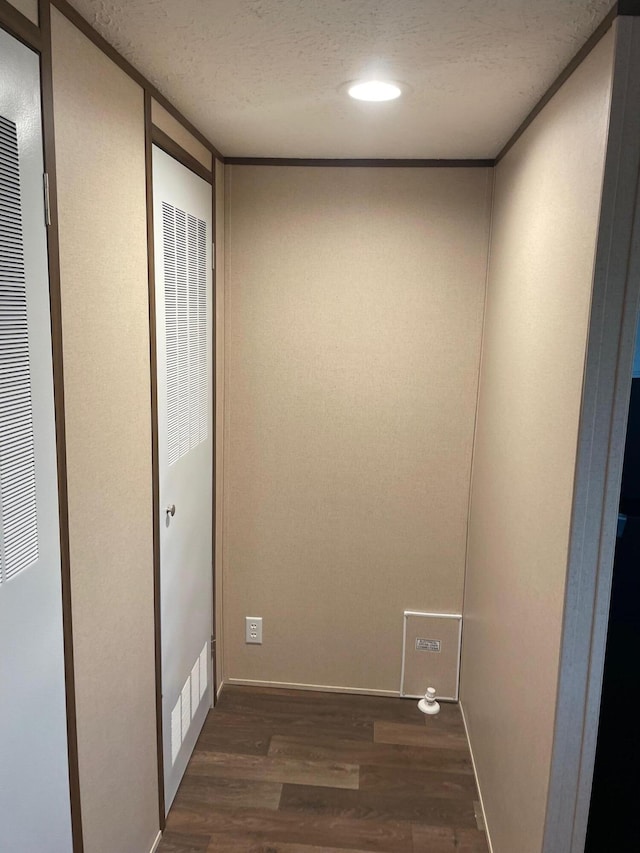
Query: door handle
pixel 171 510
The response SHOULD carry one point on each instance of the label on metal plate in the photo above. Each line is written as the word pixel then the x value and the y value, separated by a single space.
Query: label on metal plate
pixel 424 645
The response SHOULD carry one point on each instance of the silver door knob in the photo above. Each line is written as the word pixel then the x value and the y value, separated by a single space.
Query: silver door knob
pixel 171 510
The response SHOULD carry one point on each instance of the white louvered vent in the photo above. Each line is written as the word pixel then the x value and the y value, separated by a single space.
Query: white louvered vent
pixel 185 296
pixel 18 510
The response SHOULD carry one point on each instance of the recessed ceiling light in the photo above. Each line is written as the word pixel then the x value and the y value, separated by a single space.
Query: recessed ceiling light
pixel 374 90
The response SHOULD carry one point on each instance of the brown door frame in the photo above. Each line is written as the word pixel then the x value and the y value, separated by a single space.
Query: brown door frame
pixel 38 39
pixel 155 136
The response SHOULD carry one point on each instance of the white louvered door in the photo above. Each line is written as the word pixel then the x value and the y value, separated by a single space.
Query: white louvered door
pixel 34 777
pixel 184 280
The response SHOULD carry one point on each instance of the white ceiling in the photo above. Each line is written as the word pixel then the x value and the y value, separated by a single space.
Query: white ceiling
pixel 262 77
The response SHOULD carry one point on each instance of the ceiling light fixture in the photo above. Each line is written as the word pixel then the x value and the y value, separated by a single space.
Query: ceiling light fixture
pixel 374 90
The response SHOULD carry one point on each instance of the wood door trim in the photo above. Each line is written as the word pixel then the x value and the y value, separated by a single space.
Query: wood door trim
pixel 18 25
pixel 171 147
pixel 53 245
pixel 364 162
pixel 214 397
pixel 155 461
pixel 155 181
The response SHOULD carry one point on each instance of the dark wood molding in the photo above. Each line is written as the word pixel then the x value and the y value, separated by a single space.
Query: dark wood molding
pixel 53 241
pixel 31 35
pixel 564 75
pixel 85 27
pixel 629 7
pixel 214 395
pixel 375 163
pixel 20 26
pixel 155 460
pixel 164 141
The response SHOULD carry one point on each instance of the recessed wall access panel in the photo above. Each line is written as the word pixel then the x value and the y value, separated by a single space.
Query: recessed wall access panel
pixel 431 654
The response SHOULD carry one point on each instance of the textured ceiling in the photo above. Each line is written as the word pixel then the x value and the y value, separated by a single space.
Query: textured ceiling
pixel 263 77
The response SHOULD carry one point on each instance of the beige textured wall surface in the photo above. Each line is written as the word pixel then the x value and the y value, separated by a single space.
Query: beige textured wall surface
pixel 220 408
pixel 545 220
pixel 354 301
pixel 29 8
pixel 99 121
pixel 172 127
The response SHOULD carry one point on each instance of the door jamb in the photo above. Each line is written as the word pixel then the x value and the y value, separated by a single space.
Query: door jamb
pixel 214 395
pixel 153 136
pixel 38 39
pixel 155 463
pixel 601 441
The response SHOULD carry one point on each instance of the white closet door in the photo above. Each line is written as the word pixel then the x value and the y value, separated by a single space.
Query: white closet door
pixel 184 281
pixel 34 778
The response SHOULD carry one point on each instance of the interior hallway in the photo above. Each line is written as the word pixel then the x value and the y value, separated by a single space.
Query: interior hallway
pixel 282 771
pixel 392 343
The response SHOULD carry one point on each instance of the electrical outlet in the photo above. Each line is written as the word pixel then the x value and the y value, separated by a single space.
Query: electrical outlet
pixel 253 629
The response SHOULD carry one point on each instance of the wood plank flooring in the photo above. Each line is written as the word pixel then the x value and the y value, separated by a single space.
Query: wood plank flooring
pixel 281 771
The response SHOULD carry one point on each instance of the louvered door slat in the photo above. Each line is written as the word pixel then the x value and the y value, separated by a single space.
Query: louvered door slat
pixel 18 513
pixel 182 331
pixel 203 385
pixel 192 261
pixel 185 292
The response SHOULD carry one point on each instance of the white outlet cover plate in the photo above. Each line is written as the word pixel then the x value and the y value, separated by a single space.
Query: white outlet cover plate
pixel 253 630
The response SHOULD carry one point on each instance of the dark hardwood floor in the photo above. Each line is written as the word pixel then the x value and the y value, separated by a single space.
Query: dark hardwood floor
pixel 280 771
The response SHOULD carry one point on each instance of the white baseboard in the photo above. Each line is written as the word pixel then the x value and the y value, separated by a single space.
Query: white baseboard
pixel 475 773
pixel 156 843
pixel 219 691
pixel 322 688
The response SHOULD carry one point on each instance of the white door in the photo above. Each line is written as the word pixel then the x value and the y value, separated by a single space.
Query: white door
pixel 35 811
pixel 182 210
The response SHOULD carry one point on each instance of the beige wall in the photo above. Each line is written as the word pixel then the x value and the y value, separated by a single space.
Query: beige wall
pixel 178 132
pixel 545 219
pixel 354 302
pixel 29 8
pixel 99 121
